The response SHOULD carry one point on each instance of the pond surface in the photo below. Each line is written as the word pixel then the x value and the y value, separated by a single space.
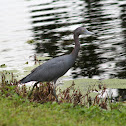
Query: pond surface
pixel 113 94
pixel 51 23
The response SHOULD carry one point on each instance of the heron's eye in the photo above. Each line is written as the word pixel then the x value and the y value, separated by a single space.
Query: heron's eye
pixel 83 30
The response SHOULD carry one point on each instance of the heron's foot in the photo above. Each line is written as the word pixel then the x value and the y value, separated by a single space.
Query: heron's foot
pixel 57 99
pixel 54 93
pixel 30 94
pixel 35 85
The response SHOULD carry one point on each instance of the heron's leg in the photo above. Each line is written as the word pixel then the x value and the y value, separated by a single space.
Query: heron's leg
pixel 54 92
pixel 33 89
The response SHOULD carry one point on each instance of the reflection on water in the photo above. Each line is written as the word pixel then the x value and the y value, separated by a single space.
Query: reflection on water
pixel 114 94
pixel 14 32
pixel 52 23
pixel 104 55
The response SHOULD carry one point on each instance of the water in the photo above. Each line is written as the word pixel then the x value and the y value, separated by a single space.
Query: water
pixel 113 94
pixel 51 22
pixel 14 32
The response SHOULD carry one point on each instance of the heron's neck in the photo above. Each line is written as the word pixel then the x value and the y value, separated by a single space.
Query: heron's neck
pixel 77 46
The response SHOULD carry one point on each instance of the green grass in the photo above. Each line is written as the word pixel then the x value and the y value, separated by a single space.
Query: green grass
pixel 16 111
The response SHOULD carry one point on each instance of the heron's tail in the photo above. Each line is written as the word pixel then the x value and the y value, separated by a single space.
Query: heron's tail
pixel 25 79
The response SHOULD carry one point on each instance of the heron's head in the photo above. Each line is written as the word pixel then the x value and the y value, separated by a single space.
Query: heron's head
pixel 82 30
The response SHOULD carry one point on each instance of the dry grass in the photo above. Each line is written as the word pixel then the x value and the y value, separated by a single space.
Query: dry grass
pixel 44 93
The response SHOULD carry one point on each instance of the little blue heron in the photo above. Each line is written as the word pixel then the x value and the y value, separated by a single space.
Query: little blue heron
pixel 56 67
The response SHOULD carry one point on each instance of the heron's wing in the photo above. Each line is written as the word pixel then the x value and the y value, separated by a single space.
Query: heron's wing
pixel 51 70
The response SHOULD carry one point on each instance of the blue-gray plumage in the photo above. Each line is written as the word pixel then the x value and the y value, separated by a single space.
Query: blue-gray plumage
pixel 51 70
pixel 56 67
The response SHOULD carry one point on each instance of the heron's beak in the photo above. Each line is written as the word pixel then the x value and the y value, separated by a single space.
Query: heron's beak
pixel 88 32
